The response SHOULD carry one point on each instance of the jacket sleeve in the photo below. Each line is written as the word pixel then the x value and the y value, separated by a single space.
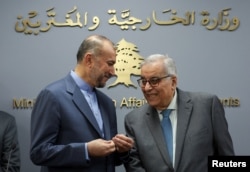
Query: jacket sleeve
pixel 222 138
pixel 10 149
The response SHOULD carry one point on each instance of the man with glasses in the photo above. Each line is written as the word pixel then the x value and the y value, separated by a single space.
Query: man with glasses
pixel 196 126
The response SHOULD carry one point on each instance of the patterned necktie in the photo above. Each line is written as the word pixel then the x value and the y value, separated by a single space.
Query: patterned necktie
pixel 167 129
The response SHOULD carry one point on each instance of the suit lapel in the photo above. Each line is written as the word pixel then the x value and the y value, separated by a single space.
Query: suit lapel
pixel 185 106
pixel 81 102
pixel 153 122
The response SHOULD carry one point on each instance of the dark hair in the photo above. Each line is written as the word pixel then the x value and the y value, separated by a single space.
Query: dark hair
pixel 92 44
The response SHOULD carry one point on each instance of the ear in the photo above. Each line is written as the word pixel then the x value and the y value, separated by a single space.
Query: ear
pixel 88 59
pixel 174 82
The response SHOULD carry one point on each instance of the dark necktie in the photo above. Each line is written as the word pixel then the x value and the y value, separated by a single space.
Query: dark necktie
pixel 167 129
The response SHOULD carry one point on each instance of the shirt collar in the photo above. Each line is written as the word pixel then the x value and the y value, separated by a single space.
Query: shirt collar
pixel 80 82
pixel 173 104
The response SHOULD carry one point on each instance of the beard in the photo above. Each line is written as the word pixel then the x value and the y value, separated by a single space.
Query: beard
pixel 102 79
pixel 99 82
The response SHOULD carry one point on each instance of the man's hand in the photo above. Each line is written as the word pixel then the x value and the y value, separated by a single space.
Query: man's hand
pixel 123 143
pixel 100 147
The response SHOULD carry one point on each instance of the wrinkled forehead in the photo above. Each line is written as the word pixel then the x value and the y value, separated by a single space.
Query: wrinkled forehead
pixel 152 69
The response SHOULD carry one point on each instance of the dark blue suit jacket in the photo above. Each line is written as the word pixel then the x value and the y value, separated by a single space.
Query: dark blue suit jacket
pixel 9 145
pixel 62 122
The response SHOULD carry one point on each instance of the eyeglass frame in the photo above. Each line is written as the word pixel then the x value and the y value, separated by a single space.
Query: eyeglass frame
pixel 157 80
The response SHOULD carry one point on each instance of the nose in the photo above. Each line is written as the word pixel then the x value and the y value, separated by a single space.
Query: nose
pixel 147 86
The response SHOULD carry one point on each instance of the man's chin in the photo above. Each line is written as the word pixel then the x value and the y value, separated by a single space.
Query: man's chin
pixel 152 103
pixel 101 85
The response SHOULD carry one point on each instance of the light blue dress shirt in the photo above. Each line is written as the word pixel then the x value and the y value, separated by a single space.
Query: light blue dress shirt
pixel 90 96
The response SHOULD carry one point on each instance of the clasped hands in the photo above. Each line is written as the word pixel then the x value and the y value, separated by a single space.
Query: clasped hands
pixel 119 143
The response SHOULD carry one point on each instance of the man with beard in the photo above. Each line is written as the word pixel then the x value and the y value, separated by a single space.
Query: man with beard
pixel 73 123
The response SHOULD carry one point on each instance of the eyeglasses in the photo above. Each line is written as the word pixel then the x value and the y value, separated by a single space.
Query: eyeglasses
pixel 154 82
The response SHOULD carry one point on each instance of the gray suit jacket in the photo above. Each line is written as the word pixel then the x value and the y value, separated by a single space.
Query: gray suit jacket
pixel 202 130
pixel 62 121
pixel 9 146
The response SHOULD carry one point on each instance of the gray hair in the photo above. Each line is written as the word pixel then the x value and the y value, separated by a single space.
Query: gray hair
pixel 168 63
